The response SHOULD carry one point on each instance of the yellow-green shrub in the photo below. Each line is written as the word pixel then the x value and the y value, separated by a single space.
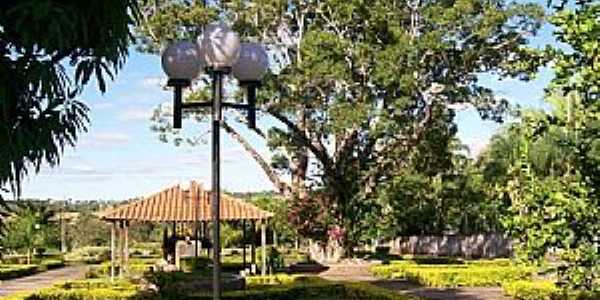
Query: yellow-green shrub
pixel 15 271
pixel 453 275
pixel 543 290
pixel 530 290
pixel 278 279
pixel 309 288
pixel 85 290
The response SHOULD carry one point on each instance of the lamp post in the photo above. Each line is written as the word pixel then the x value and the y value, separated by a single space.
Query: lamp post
pixel 219 51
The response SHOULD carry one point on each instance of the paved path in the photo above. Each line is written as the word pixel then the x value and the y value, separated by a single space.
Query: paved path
pixel 359 271
pixel 41 280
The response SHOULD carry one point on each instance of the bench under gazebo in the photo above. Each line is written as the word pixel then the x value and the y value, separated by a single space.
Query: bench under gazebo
pixel 190 207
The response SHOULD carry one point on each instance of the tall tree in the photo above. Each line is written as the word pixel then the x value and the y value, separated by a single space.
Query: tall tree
pixel 357 85
pixel 39 42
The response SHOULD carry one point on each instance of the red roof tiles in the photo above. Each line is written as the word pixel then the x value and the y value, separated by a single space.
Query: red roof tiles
pixel 175 204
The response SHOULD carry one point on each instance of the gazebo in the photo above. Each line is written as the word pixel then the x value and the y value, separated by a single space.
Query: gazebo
pixel 183 207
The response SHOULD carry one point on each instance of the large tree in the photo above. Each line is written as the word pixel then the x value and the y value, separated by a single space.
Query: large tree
pixel 356 86
pixel 49 50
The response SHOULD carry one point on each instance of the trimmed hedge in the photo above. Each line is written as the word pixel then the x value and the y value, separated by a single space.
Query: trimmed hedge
pixel 453 275
pixel 16 271
pixel 310 290
pixel 85 290
pixel 543 290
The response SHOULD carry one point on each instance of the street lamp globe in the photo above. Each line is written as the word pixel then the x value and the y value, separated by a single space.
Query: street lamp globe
pixel 181 60
pixel 219 46
pixel 252 64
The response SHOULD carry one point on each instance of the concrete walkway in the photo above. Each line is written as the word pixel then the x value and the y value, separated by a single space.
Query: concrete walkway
pixel 359 272
pixel 41 280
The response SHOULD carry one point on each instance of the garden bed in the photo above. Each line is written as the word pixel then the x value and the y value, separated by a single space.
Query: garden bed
pixel 454 275
pixel 11 271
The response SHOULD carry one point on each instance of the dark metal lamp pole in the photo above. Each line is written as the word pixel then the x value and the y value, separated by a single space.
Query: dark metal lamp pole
pixel 220 51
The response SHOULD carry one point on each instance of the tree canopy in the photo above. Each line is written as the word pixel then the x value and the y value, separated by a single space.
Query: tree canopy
pixel 357 86
pixel 49 50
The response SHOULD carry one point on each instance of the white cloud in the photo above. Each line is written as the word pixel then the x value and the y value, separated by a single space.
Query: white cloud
pixel 136 114
pixel 105 139
pixel 102 105
pixel 152 81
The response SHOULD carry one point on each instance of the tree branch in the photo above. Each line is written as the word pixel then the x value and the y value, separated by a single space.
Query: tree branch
pixel 315 147
pixel 282 187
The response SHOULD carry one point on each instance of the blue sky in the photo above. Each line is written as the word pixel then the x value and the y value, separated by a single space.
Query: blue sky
pixel 121 158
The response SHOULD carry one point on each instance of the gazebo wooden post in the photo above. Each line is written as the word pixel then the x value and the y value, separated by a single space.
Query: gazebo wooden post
pixel 113 229
pixel 121 247
pixel 244 243
pixel 126 246
pixel 253 244
pixel 165 241
pixel 274 235
pixel 197 240
pixel 263 244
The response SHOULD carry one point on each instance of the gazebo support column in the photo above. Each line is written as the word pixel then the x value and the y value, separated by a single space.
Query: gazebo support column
pixel 121 247
pixel 263 244
pixel 165 242
pixel 253 244
pixel 126 246
pixel 274 236
pixel 196 239
pixel 113 229
pixel 244 242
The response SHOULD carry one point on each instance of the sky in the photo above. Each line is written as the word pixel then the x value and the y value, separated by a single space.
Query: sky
pixel 120 157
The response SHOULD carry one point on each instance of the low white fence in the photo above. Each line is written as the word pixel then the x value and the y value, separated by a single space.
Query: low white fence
pixel 469 246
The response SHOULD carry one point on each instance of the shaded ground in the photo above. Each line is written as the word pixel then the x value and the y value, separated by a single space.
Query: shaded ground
pixel 41 280
pixel 359 271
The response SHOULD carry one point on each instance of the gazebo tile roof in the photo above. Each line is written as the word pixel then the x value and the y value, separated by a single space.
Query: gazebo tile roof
pixel 175 204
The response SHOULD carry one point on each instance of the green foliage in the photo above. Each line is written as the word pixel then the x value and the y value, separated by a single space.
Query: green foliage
pixel 16 271
pixel 86 290
pixel 436 195
pixel 8 271
pixel 39 112
pixel 28 228
pixel 543 290
pixel 453 275
pixel 358 87
pixel 89 231
pixel 92 255
pixel 281 211
pixel 306 288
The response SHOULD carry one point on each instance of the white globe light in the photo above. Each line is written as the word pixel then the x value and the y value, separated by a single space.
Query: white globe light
pixel 182 60
pixel 219 46
pixel 252 64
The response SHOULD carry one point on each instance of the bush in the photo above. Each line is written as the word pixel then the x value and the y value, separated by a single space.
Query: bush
pixel 453 275
pixel 85 290
pixel 16 271
pixel 543 290
pixel 136 266
pixel 308 289
pixel 278 279
pixel 89 255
